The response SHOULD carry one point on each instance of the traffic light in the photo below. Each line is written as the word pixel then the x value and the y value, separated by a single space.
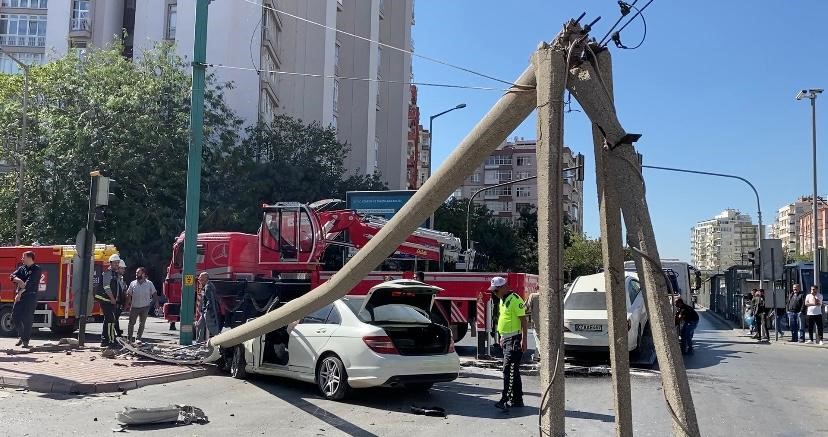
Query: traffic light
pixel 102 191
pixel 754 258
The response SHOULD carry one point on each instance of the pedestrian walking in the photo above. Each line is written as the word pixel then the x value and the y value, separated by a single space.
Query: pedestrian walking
pixel 142 295
pixel 107 289
pixel 687 319
pixel 533 314
pixel 794 306
pixel 211 321
pixel 512 326
pixel 750 311
pixel 27 279
pixel 813 304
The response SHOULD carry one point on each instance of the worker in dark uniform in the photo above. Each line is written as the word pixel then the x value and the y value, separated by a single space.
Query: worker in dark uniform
pixel 106 292
pixel 27 279
pixel 512 326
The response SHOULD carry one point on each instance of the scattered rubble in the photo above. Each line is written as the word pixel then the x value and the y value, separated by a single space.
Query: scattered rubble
pixel 171 414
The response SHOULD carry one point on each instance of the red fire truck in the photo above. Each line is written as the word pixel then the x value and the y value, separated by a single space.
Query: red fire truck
pixel 290 254
pixel 56 308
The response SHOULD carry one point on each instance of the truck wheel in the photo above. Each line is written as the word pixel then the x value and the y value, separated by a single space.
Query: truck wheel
pixel 238 368
pixel 6 325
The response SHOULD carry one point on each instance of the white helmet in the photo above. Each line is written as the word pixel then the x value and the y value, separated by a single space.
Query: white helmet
pixel 114 258
pixel 122 264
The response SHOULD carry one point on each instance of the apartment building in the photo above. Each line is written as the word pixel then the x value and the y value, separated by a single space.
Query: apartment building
pixel 806 229
pixel 516 160
pixel 22 33
pixel 424 157
pixel 787 224
pixel 413 157
pixel 723 241
pixel 356 86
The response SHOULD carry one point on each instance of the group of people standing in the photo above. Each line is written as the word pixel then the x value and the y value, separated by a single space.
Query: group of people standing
pixel 802 310
pixel 114 297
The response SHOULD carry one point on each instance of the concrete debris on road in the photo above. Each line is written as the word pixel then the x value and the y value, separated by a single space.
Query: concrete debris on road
pixel 171 414
pixel 429 411
pixel 185 355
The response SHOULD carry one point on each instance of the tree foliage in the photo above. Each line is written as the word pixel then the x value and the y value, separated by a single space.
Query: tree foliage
pixel 131 121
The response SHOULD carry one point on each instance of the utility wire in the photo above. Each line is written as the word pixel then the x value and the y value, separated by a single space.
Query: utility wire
pixel 616 37
pixel 409 52
pixel 624 11
pixel 367 79
pixel 638 12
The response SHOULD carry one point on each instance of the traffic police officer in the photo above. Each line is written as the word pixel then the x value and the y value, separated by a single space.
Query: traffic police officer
pixel 512 326
pixel 106 292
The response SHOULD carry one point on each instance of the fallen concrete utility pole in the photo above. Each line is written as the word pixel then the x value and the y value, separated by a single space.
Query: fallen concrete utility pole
pixel 551 68
pixel 493 129
pixel 589 87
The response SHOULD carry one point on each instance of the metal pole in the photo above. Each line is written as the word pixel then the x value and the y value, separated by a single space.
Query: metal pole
pixel 194 172
pixel 18 228
pixel 816 195
pixel 761 233
pixel 87 266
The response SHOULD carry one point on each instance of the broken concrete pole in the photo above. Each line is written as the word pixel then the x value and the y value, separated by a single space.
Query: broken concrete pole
pixel 594 96
pixel 493 129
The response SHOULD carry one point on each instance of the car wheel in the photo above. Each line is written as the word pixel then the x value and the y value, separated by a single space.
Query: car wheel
pixel 7 328
pixel 331 378
pixel 420 386
pixel 238 365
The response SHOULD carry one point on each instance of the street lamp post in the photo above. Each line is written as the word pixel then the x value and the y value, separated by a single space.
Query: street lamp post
pixel 812 94
pixel 758 207
pixel 431 128
pixel 24 128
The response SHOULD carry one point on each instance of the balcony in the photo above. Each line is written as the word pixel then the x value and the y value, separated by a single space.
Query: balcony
pixel 23 41
pixel 80 27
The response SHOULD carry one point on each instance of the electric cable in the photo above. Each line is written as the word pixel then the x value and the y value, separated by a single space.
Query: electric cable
pixel 638 12
pixel 250 46
pixel 368 79
pixel 399 49
pixel 616 37
pixel 625 10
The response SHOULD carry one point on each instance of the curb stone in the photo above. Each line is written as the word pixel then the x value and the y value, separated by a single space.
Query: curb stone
pixel 73 388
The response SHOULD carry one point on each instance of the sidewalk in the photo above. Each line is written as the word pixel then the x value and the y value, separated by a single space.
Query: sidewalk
pixel 783 339
pixel 60 369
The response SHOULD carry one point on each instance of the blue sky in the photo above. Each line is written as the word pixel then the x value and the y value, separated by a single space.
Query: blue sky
pixel 712 88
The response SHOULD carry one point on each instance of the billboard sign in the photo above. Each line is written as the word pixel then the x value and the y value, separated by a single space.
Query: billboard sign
pixel 380 203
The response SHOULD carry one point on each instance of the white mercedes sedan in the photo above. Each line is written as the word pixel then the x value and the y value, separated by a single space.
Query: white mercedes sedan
pixel 383 339
pixel 585 314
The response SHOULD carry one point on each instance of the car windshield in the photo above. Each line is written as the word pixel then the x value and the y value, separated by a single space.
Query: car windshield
pixel 586 300
pixel 389 313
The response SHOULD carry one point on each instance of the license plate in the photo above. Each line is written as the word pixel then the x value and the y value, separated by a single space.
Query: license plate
pixel 588 328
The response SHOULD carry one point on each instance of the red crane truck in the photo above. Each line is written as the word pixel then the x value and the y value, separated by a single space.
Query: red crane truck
pixel 284 259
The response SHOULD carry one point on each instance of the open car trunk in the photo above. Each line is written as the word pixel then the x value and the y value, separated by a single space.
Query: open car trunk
pixel 420 339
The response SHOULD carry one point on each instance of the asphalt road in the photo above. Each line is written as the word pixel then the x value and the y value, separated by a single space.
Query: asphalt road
pixel 739 388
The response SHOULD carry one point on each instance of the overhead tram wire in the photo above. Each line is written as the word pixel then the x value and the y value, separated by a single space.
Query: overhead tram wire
pixel 367 79
pixel 409 52
pixel 616 37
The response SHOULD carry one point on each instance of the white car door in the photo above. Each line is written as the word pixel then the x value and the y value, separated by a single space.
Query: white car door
pixel 638 312
pixel 310 336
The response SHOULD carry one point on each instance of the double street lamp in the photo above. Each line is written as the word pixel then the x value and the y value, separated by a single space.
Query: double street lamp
pixel 21 146
pixel 812 94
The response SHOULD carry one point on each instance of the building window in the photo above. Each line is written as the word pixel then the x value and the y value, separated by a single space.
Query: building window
pixel 337 53
pixel 499 160
pixel 8 66
pixel 23 30
pixel 504 176
pixel 499 191
pixel 379 62
pixel 524 160
pixel 80 14
pixel 334 121
pixel 27 4
pixel 522 175
pixel 523 206
pixel 376 152
pixel 172 16
pixel 268 109
pixel 336 96
pixel 523 192
pixel 476 177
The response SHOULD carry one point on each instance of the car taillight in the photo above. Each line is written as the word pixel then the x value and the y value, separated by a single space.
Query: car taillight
pixel 380 344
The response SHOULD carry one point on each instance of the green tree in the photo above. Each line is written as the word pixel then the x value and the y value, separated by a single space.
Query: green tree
pixel 582 257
